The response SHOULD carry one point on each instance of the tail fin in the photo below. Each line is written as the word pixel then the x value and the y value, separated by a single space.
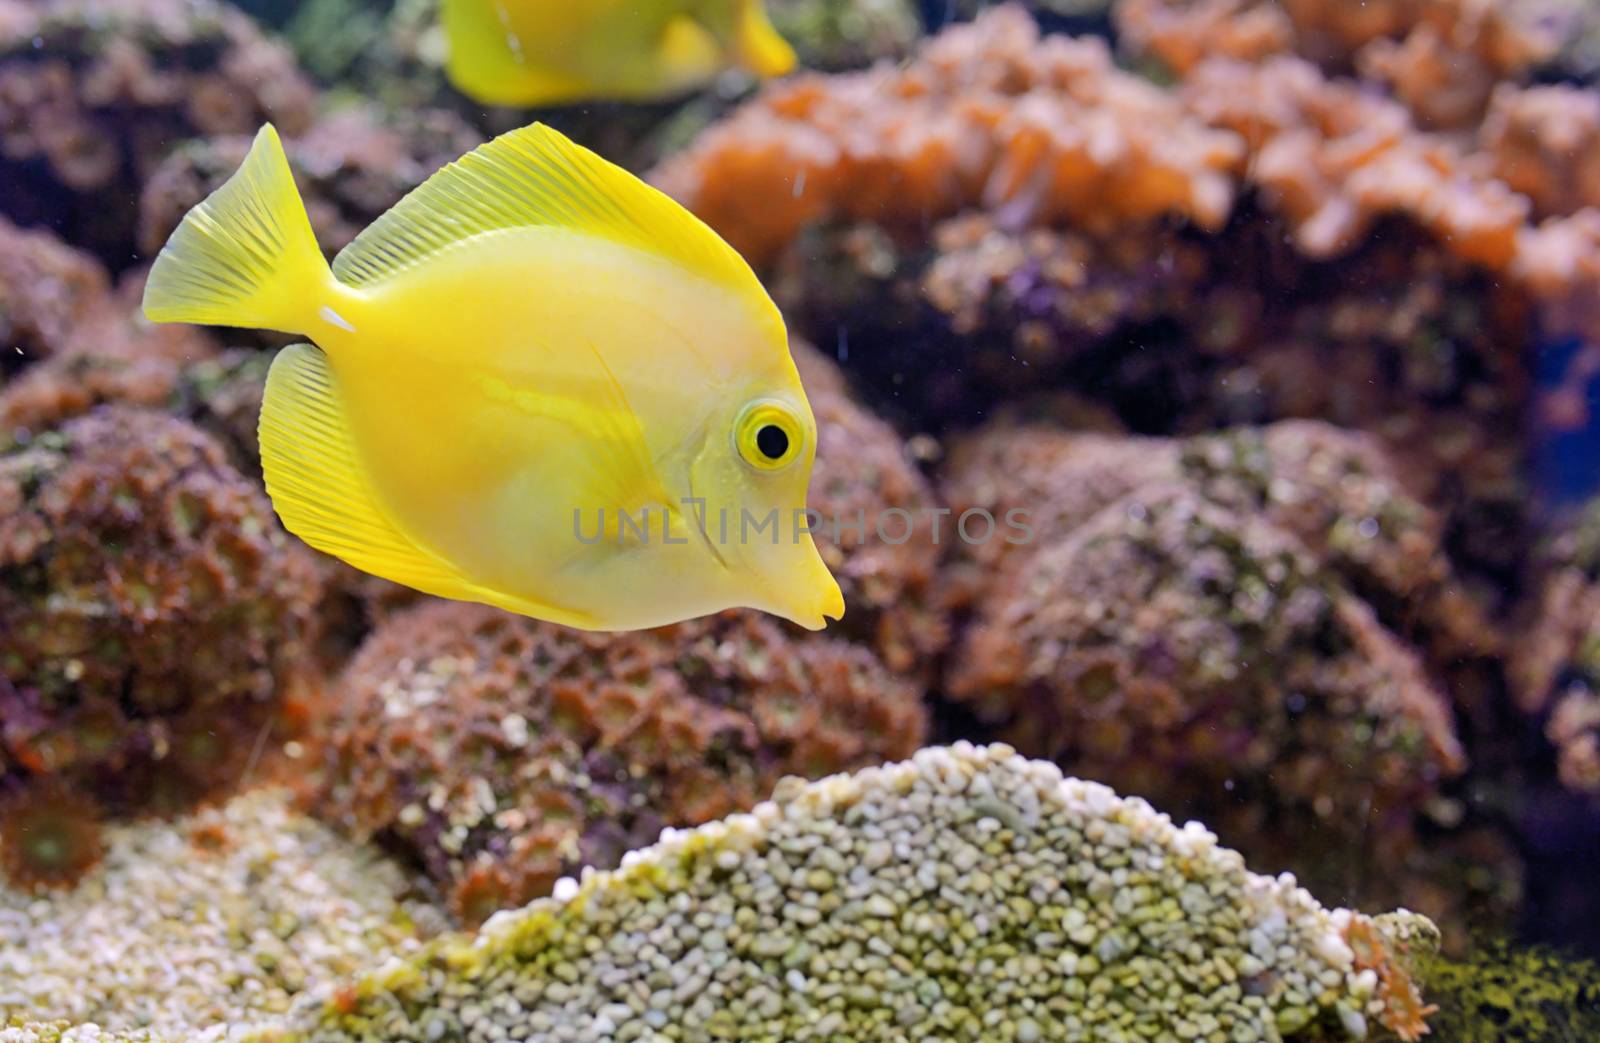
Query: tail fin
pixel 246 256
pixel 758 46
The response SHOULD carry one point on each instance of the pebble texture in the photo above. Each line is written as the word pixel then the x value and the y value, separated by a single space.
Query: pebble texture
pixel 222 916
pixel 966 894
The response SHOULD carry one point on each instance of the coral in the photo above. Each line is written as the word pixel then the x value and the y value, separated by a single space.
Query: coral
pixel 985 115
pixel 49 836
pixel 1203 622
pixel 967 894
pixel 1334 159
pixel 154 620
pixel 1368 273
pixel 1441 58
pixel 887 566
pixel 212 922
pixel 44 287
pixel 1555 664
pixel 501 752
pixel 93 93
pixel 1545 142
pixel 351 166
pixel 1184 33
pixel 1504 991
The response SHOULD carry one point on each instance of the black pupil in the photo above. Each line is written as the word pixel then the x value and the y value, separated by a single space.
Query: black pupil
pixel 772 442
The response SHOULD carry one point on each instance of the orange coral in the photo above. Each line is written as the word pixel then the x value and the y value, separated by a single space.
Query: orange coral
pixel 1545 144
pixel 1403 1011
pixel 987 115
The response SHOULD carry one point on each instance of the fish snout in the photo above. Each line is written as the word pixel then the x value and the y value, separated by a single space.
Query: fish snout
pixel 811 599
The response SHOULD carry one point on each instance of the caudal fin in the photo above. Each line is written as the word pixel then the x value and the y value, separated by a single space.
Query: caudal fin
pixel 246 256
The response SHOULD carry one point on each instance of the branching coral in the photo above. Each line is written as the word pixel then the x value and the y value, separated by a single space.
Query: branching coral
pixel 1200 622
pixel 1441 58
pixel 502 753
pixel 93 92
pixel 967 894
pixel 990 115
pixel 153 617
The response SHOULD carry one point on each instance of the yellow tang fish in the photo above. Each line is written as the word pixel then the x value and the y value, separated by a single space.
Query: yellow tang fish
pixel 538 383
pixel 546 52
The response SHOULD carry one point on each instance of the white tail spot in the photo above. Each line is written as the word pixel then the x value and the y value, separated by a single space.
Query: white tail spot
pixel 333 317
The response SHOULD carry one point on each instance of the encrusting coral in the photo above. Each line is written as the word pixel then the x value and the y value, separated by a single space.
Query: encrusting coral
pixel 502 753
pixel 966 894
pixel 1503 991
pixel 45 286
pixel 1202 622
pixel 154 620
pixel 93 92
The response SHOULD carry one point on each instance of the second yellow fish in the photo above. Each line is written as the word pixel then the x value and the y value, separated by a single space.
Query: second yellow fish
pixel 537 383
pixel 549 52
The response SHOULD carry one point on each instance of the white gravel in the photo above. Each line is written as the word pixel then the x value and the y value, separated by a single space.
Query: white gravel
pixel 174 934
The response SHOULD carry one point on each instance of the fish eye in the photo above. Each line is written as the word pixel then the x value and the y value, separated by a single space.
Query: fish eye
pixel 768 435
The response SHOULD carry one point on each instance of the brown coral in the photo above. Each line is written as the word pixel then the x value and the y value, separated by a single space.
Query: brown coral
pixel 502 752
pixel 351 166
pixel 93 92
pixel 44 287
pixel 1203 622
pixel 49 836
pixel 863 471
pixel 1555 665
pixel 153 617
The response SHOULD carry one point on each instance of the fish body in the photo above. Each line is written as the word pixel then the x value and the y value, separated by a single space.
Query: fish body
pixel 529 349
pixel 547 52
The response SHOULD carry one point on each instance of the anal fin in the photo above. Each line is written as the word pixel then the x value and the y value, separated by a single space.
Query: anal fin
pixel 318 486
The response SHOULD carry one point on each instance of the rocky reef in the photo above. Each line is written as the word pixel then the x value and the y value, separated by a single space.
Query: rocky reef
pixel 965 894
pixel 154 624
pixel 92 93
pixel 1202 622
pixel 502 753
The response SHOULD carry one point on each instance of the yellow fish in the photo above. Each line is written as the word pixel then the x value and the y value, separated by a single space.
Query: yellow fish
pixel 537 383
pixel 546 52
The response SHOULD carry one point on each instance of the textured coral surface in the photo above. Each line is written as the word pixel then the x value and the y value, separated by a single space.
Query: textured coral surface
pixel 967 894
pixel 154 620
pixel 92 93
pixel 502 753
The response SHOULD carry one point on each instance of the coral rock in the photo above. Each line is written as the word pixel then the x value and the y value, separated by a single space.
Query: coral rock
pixel 153 617
pixel 887 566
pixel 351 167
pixel 1192 620
pixel 965 894
pixel 93 93
pixel 502 752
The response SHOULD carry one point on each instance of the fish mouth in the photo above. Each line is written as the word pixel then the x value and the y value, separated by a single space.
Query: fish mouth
pixel 813 612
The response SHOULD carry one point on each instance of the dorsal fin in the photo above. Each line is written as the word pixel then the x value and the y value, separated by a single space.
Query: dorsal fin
pixel 536 177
